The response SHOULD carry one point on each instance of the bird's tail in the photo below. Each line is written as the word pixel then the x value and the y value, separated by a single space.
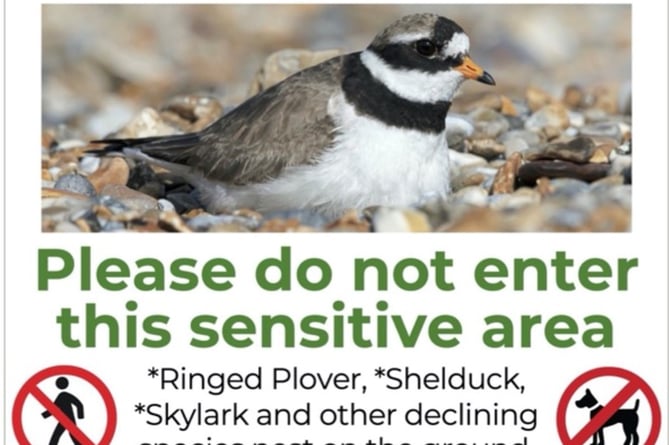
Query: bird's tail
pixel 168 148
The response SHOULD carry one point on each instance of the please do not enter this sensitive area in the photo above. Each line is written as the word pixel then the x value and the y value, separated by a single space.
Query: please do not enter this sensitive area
pixel 339 322
pixel 282 273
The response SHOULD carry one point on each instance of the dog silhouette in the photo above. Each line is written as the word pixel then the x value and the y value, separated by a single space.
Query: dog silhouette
pixel 627 417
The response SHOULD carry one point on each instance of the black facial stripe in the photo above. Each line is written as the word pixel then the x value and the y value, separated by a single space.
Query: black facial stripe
pixel 374 99
pixel 444 29
pixel 404 56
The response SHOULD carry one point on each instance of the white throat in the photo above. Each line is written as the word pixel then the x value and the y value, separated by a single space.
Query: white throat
pixel 413 85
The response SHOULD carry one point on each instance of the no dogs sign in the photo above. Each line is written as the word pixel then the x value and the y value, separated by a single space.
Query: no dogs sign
pixel 260 279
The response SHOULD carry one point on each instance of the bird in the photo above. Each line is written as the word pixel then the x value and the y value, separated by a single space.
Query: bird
pixel 360 130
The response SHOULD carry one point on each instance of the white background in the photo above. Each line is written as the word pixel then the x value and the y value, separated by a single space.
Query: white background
pixel 639 315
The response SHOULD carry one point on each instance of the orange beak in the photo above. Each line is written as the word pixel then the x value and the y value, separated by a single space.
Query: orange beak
pixel 471 70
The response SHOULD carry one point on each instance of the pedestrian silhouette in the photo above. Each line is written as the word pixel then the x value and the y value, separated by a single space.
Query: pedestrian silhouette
pixel 65 401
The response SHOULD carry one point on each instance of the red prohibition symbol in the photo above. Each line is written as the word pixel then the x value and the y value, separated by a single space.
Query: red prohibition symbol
pixel 633 384
pixel 30 388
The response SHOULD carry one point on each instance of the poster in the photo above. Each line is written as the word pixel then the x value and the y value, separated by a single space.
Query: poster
pixel 533 312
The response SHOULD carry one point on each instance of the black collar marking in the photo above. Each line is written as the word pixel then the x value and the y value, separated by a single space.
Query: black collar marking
pixel 372 98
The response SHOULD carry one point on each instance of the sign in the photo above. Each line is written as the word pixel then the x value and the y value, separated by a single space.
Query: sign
pixel 607 413
pixel 30 389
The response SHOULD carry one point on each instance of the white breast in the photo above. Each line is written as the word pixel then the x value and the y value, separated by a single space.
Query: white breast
pixel 368 164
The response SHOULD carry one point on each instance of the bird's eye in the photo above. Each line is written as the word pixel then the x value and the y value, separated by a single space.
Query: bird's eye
pixel 426 47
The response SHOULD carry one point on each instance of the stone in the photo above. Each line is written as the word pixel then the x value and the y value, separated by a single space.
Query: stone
pixel 205 221
pixel 578 150
pixel 477 219
pixel 620 164
pixel 567 187
pixel 608 218
pixel 486 148
pixel 536 98
pixel 552 115
pixel 505 179
pixel 112 170
pixel 284 225
pixel 531 138
pixel 473 195
pixel 576 120
pixel 531 171
pixel 75 183
pixel 130 198
pixel 351 221
pixel 606 129
pixel 605 97
pixel 147 123
pixel 459 160
pixel 472 176
pixel 89 164
pixel 516 145
pixel 573 97
pixel 191 113
pixel 458 128
pixel 286 62
pixel 165 205
pixel 508 108
pixel 602 153
pixel 172 222
pixel 304 217
pixel 389 219
pixel 522 197
pixel 488 123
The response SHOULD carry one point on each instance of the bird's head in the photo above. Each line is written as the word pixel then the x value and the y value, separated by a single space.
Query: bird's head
pixel 424 58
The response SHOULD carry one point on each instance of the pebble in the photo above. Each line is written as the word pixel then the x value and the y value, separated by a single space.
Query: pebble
pixel 351 221
pixel 477 176
pixel 283 63
pixel 536 98
pixel 620 165
pixel 608 218
pixel 112 170
pixel 488 123
pixel 129 198
pixel 147 123
pixel 302 217
pixel 459 160
pixel 505 179
pixel 574 97
pixel 166 206
pixel 388 219
pixel 458 128
pixel 75 183
pixel 522 197
pixel 89 164
pixel 221 223
pixel 531 171
pixel 191 113
pixel 607 129
pixel 552 116
pixel 472 195
pixel 515 145
pixel 578 150
pixel 478 219
pixel 486 148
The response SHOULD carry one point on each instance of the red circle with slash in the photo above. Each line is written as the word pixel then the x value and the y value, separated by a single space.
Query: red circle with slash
pixel 30 389
pixel 634 384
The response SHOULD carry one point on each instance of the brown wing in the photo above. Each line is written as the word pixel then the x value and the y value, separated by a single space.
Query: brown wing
pixel 284 125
